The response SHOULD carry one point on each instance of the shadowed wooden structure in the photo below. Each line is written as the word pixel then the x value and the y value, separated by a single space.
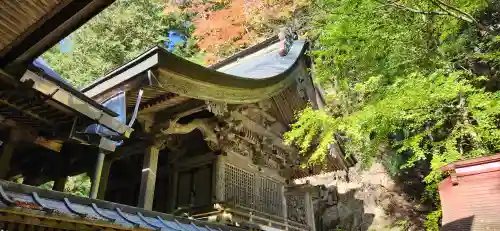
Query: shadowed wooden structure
pixel 39 111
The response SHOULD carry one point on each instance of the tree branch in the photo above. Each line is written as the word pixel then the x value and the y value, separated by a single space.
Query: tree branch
pixel 418 11
pixel 446 9
pixel 464 15
pixel 453 14
pixel 455 9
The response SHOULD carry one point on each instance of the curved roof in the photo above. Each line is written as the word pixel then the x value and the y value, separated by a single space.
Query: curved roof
pixel 256 76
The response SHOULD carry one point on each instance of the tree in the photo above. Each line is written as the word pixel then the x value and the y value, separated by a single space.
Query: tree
pixel 120 33
pixel 404 85
pixel 224 27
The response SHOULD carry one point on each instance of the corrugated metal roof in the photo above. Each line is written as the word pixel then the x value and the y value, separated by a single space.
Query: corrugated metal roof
pixel 471 162
pixel 51 203
pixel 472 204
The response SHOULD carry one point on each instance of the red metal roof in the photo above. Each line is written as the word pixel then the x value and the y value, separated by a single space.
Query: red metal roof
pixel 472 204
pixel 469 197
pixel 471 162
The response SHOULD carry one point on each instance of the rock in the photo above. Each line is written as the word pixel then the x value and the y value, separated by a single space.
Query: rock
pixel 363 200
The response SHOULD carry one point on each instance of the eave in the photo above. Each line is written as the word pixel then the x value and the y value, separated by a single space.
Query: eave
pixel 174 74
pixel 29 28
pixel 78 104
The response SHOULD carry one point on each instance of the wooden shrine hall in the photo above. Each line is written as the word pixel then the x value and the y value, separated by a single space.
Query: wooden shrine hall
pixel 209 140
pixel 207 135
pixel 158 135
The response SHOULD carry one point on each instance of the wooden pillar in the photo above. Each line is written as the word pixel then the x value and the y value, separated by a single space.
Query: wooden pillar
pixel 103 184
pixel 96 177
pixel 172 187
pixel 59 184
pixel 285 207
pixel 309 210
pixel 8 151
pixel 220 178
pixel 148 178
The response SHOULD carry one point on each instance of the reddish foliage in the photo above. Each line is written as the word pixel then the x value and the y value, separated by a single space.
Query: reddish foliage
pixel 225 26
pixel 220 32
pixel 222 28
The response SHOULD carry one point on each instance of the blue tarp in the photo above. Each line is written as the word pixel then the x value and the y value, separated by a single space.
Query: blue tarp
pixel 117 104
pixel 174 38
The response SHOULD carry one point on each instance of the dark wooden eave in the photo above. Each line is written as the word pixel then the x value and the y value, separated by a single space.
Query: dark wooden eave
pixel 28 95
pixel 28 28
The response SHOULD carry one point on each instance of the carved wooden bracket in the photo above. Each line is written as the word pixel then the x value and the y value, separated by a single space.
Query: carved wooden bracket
pixel 218 108
pixel 206 127
pixel 147 121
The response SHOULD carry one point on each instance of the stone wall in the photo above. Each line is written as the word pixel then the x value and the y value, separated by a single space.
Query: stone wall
pixel 362 200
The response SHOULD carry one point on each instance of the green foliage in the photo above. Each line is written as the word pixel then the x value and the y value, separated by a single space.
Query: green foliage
pixel 47 185
pixel 404 86
pixel 78 185
pixel 312 124
pixel 440 115
pixel 120 33
pixel 431 224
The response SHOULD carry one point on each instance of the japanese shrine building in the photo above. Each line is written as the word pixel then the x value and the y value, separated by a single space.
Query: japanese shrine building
pixel 210 136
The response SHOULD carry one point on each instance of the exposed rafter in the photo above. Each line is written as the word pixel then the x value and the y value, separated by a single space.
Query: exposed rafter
pixel 27 112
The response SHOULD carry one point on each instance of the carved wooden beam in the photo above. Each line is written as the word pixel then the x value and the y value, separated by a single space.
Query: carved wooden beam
pixel 206 127
pixel 163 104
pixel 164 117
pixel 261 108
pixel 217 108
pixel 261 130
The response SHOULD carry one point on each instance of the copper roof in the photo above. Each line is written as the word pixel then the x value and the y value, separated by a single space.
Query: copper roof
pixel 256 76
